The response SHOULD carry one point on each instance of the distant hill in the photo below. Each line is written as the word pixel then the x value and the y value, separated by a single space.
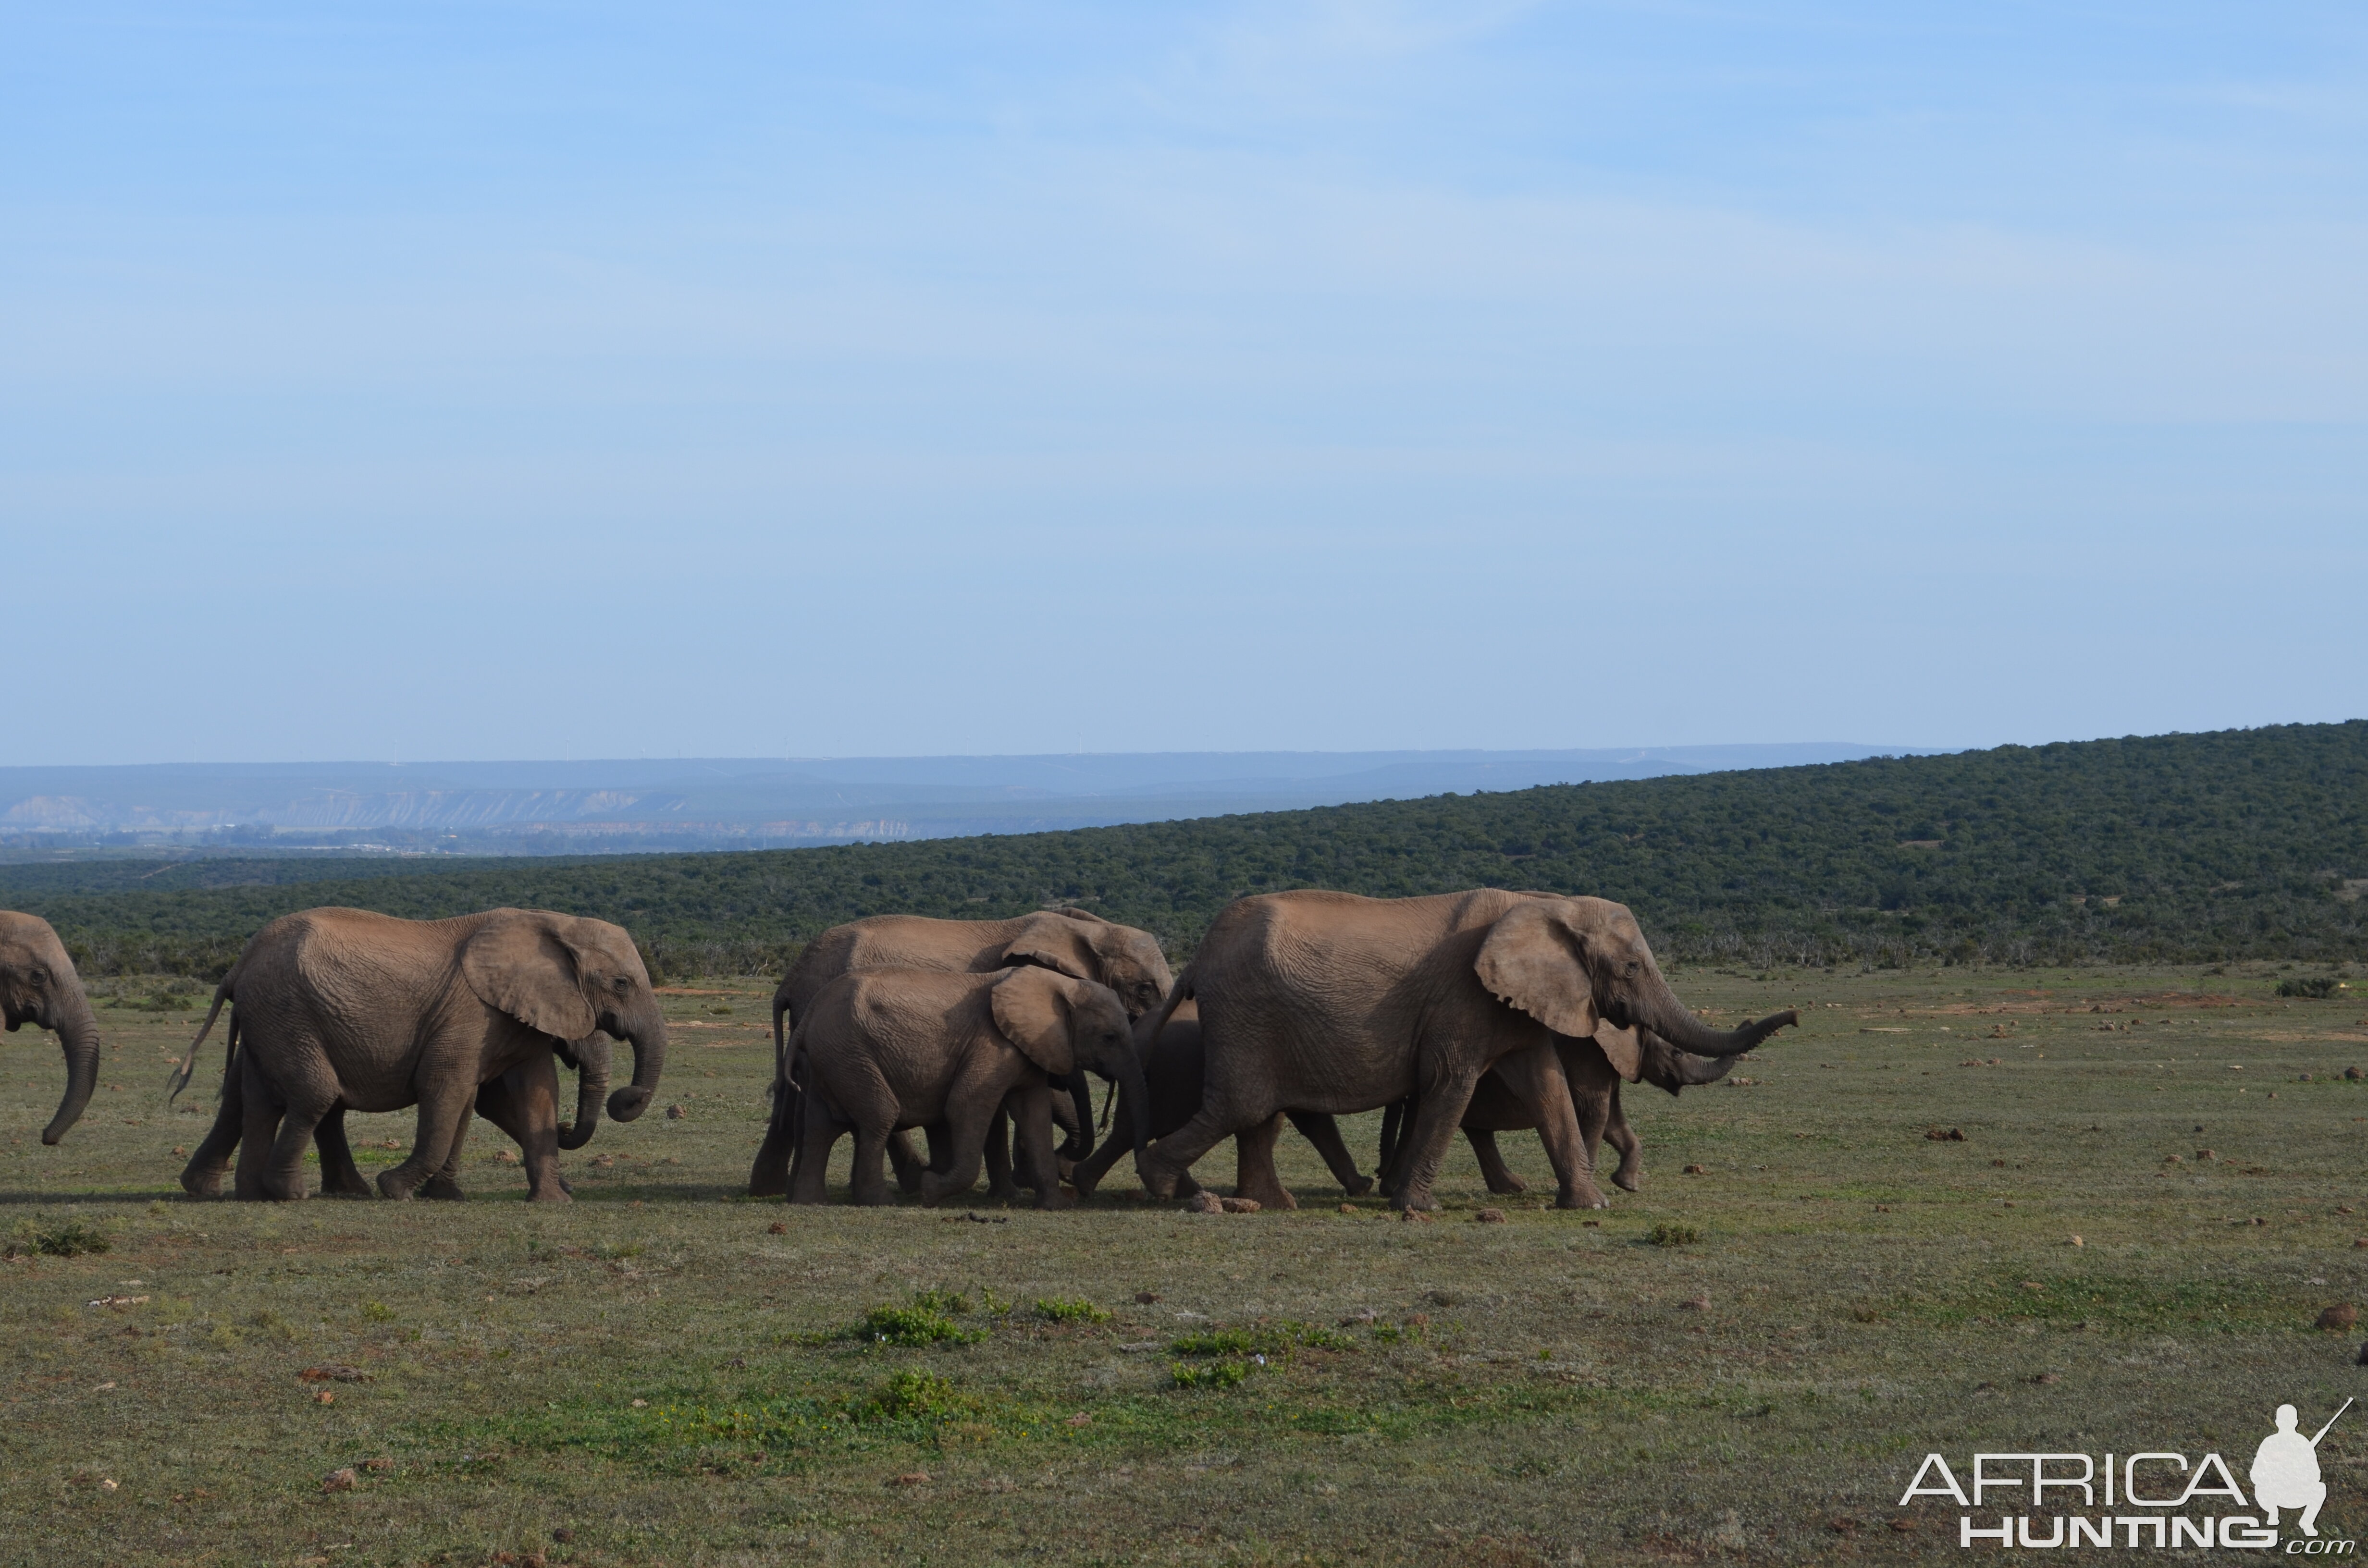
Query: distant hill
pixel 2245 843
pixel 544 808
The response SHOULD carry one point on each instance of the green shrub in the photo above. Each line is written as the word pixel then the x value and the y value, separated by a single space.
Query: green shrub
pixel 69 1238
pixel 2316 987
pixel 1266 1339
pixel 1207 1374
pixel 953 1303
pixel 912 1325
pixel 1063 1309
pixel 1668 1236
pixel 914 1395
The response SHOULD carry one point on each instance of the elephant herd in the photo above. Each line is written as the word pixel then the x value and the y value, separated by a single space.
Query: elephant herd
pixel 1486 1011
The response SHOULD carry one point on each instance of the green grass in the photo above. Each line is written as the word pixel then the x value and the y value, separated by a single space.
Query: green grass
pixel 654 1370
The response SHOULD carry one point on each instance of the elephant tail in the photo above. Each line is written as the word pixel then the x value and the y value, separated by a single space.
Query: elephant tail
pixel 189 1061
pixel 789 1099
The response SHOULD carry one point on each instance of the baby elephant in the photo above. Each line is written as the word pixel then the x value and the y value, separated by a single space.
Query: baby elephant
pixel 880 1050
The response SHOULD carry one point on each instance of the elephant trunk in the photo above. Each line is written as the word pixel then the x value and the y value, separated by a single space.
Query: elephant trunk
pixel 77 1030
pixel 1669 1018
pixel 591 1087
pixel 1081 1095
pixel 1695 1070
pixel 649 1042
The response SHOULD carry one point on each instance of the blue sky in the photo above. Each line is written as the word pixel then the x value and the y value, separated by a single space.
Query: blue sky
pixel 516 380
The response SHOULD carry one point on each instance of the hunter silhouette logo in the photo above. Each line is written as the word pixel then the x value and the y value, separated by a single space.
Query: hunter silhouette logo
pixel 2150 1499
pixel 2286 1471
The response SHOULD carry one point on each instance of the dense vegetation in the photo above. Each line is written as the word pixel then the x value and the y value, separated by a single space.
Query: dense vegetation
pixel 2240 843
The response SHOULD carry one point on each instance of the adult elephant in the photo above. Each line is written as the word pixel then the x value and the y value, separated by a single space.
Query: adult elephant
pixel 343 1007
pixel 1174 1073
pixel 1330 1002
pixel 522 1102
pixel 1073 942
pixel 39 987
pixel 884 1049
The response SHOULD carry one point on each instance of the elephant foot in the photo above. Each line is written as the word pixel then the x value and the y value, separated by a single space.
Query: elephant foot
pixel 875 1197
pixel 1414 1201
pixel 394 1184
pixel 202 1181
pixel 1359 1188
pixel 546 1195
pixel 1161 1175
pixel 345 1184
pixel 1267 1197
pixel 1627 1180
pixel 443 1189
pixel 1588 1196
pixel 1506 1185
pixel 1059 1197
pixel 769 1183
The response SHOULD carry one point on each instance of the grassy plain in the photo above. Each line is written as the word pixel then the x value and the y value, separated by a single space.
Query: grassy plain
pixel 653 1369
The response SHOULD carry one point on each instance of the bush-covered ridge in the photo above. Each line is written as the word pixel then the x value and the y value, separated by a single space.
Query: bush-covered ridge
pixel 2245 843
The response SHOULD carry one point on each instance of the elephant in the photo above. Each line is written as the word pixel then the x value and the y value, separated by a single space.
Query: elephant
pixel 343 1007
pixel 39 987
pixel 1590 1072
pixel 1070 941
pixel 881 1049
pixel 1173 1074
pixel 521 1102
pixel 1331 1002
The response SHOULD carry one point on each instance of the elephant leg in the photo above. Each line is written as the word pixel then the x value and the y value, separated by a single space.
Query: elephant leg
pixel 1393 1116
pixel 283 1177
pixel 768 1176
pixel 1493 1169
pixel 1630 1177
pixel 527 1100
pixel 524 1103
pixel 1036 1146
pixel 1167 1162
pixel 907 1164
pixel 202 1176
pixel 1536 1082
pixel 1255 1177
pixel 1445 1094
pixel 1325 1132
pixel 868 1181
pixel 445 1106
pixel 1000 1188
pixel 339 1176
pixel 260 1110
pixel 818 1132
pixel 1397 1122
pixel 1088 1173
pixel 972 1104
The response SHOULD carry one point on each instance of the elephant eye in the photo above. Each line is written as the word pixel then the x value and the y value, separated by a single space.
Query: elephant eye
pixel 623 983
pixel 37 976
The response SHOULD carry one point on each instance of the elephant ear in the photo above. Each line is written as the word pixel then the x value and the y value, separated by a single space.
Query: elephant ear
pixel 1033 1009
pixel 519 962
pixel 1058 942
pixel 1531 960
pixel 1624 1049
